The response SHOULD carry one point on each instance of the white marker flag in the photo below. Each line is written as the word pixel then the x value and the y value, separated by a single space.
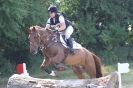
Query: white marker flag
pixel 123 67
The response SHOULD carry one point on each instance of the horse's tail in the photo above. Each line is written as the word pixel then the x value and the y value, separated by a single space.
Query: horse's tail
pixel 98 66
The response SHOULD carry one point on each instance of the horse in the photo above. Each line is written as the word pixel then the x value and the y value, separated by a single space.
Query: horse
pixel 54 52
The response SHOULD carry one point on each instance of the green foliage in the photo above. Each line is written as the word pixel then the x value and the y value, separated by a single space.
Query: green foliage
pixel 100 26
pixel 15 18
pixel 6 68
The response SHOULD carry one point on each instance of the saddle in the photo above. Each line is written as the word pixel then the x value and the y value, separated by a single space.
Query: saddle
pixel 57 37
pixel 61 38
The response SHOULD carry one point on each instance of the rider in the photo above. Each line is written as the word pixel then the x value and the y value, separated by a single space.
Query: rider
pixel 59 22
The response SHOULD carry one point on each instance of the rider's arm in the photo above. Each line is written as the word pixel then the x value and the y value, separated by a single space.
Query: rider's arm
pixel 62 25
pixel 48 24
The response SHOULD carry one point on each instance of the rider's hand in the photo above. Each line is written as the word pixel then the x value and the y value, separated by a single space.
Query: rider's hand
pixel 57 28
pixel 58 25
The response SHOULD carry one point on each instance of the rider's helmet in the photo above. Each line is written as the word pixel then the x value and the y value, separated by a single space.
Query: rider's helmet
pixel 52 8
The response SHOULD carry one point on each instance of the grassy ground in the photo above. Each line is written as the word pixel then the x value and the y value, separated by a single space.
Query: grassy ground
pixel 127 79
pixel 3 82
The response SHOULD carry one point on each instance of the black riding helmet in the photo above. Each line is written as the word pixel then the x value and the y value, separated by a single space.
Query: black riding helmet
pixel 52 9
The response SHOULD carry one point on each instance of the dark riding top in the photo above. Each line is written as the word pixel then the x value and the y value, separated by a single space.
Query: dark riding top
pixel 56 20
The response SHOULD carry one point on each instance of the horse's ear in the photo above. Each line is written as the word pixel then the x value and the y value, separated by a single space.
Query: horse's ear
pixel 34 29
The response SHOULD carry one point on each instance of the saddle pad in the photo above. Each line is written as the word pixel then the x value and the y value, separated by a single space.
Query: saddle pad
pixel 75 44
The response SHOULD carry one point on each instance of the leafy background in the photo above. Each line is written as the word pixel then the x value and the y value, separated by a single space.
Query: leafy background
pixel 100 25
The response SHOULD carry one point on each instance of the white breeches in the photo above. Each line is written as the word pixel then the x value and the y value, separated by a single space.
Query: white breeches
pixel 68 32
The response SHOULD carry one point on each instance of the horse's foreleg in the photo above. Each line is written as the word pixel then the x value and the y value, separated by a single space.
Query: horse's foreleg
pixel 78 71
pixel 42 65
pixel 45 63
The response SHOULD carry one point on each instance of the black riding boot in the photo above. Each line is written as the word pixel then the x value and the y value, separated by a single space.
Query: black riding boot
pixel 70 45
pixel 58 36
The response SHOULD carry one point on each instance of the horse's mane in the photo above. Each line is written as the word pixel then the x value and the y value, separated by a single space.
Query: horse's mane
pixel 37 27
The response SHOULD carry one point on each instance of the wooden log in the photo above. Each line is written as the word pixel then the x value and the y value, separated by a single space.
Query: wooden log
pixel 21 81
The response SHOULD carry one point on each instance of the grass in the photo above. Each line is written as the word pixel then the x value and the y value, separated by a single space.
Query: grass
pixel 3 82
pixel 127 79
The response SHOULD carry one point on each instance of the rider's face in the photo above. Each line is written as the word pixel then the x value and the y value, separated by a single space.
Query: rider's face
pixel 52 14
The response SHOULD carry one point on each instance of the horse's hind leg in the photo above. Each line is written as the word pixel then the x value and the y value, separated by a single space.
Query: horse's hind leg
pixel 90 68
pixel 78 71
pixel 90 71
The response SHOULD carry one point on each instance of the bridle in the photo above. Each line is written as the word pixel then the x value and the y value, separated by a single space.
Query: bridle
pixel 51 38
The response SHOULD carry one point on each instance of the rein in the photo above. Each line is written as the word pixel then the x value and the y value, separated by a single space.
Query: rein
pixel 50 40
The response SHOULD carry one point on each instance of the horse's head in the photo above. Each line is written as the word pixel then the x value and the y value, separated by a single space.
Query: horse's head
pixel 34 39
pixel 37 34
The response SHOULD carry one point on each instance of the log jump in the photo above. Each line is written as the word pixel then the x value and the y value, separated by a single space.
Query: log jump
pixel 22 81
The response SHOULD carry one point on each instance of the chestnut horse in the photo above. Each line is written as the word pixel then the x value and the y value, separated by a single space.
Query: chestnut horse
pixel 54 53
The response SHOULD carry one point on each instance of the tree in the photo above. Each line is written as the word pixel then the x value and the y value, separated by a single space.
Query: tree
pixel 101 24
pixel 15 18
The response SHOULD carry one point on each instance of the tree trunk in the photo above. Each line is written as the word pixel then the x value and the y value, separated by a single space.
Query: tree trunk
pixel 21 81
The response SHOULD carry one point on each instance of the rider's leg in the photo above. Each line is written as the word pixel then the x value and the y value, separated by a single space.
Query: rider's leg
pixel 57 36
pixel 70 44
pixel 68 33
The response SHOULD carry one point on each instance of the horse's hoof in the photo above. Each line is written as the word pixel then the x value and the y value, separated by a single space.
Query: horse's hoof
pixel 52 74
